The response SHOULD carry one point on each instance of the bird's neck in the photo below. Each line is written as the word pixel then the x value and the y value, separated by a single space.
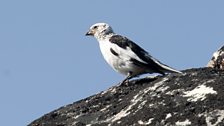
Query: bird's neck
pixel 101 37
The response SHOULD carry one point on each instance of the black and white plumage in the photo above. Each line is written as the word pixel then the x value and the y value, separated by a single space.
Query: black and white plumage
pixel 123 55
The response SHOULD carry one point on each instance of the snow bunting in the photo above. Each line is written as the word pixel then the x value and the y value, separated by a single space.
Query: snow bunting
pixel 123 55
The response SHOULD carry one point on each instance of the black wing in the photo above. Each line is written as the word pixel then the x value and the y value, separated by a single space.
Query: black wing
pixel 124 42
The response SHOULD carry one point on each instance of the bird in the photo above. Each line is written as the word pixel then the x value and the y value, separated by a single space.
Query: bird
pixel 125 56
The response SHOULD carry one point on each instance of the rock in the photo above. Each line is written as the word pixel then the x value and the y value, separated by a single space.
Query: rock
pixel 195 98
pixel 217 60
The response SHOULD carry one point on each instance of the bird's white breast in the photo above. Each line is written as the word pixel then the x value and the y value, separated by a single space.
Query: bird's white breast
pixel 111 59
pixel 120 63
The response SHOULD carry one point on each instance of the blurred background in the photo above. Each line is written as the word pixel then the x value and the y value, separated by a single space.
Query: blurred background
pixel 46 61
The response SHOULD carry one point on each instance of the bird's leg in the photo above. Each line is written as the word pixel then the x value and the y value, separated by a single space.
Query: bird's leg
pixel 129 76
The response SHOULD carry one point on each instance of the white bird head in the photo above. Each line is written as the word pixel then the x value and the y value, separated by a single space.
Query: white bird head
pixel 99 30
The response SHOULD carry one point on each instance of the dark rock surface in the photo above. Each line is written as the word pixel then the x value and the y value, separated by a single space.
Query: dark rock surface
pixel 195 98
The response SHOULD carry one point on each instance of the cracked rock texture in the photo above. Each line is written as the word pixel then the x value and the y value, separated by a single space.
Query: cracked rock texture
pixel 195 98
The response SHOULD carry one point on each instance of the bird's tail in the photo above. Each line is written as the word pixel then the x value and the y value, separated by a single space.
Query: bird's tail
pixel 165 68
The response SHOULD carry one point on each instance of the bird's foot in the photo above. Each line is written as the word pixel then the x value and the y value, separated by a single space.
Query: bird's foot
pixel 125 82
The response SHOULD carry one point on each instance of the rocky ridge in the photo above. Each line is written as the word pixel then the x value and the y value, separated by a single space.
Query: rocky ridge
pixel 194 98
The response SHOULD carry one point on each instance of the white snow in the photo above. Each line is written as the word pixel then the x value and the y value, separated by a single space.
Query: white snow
pixel 118 122
pixel 77 116
pixel 199 93
pixel 136 99
pixel 121 114
pixel 156 86
pixel 168 115
pixel 183 123
pixel 105 108
pixel 219 114
pixel 140 122
pixel 173 92
pixel 145 123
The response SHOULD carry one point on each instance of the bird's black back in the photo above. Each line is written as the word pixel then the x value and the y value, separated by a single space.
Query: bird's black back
pixel 125 43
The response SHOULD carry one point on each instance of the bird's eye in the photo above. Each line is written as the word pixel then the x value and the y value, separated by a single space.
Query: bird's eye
pixel 95 27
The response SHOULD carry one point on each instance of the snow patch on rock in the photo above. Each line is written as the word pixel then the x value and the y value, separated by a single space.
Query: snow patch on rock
pixel 199 93
pixel 183 123
pixel 214 117
pixel 140 122
pixel 136 100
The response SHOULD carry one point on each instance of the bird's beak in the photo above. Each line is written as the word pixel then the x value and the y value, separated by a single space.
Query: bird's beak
pixel 89 33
